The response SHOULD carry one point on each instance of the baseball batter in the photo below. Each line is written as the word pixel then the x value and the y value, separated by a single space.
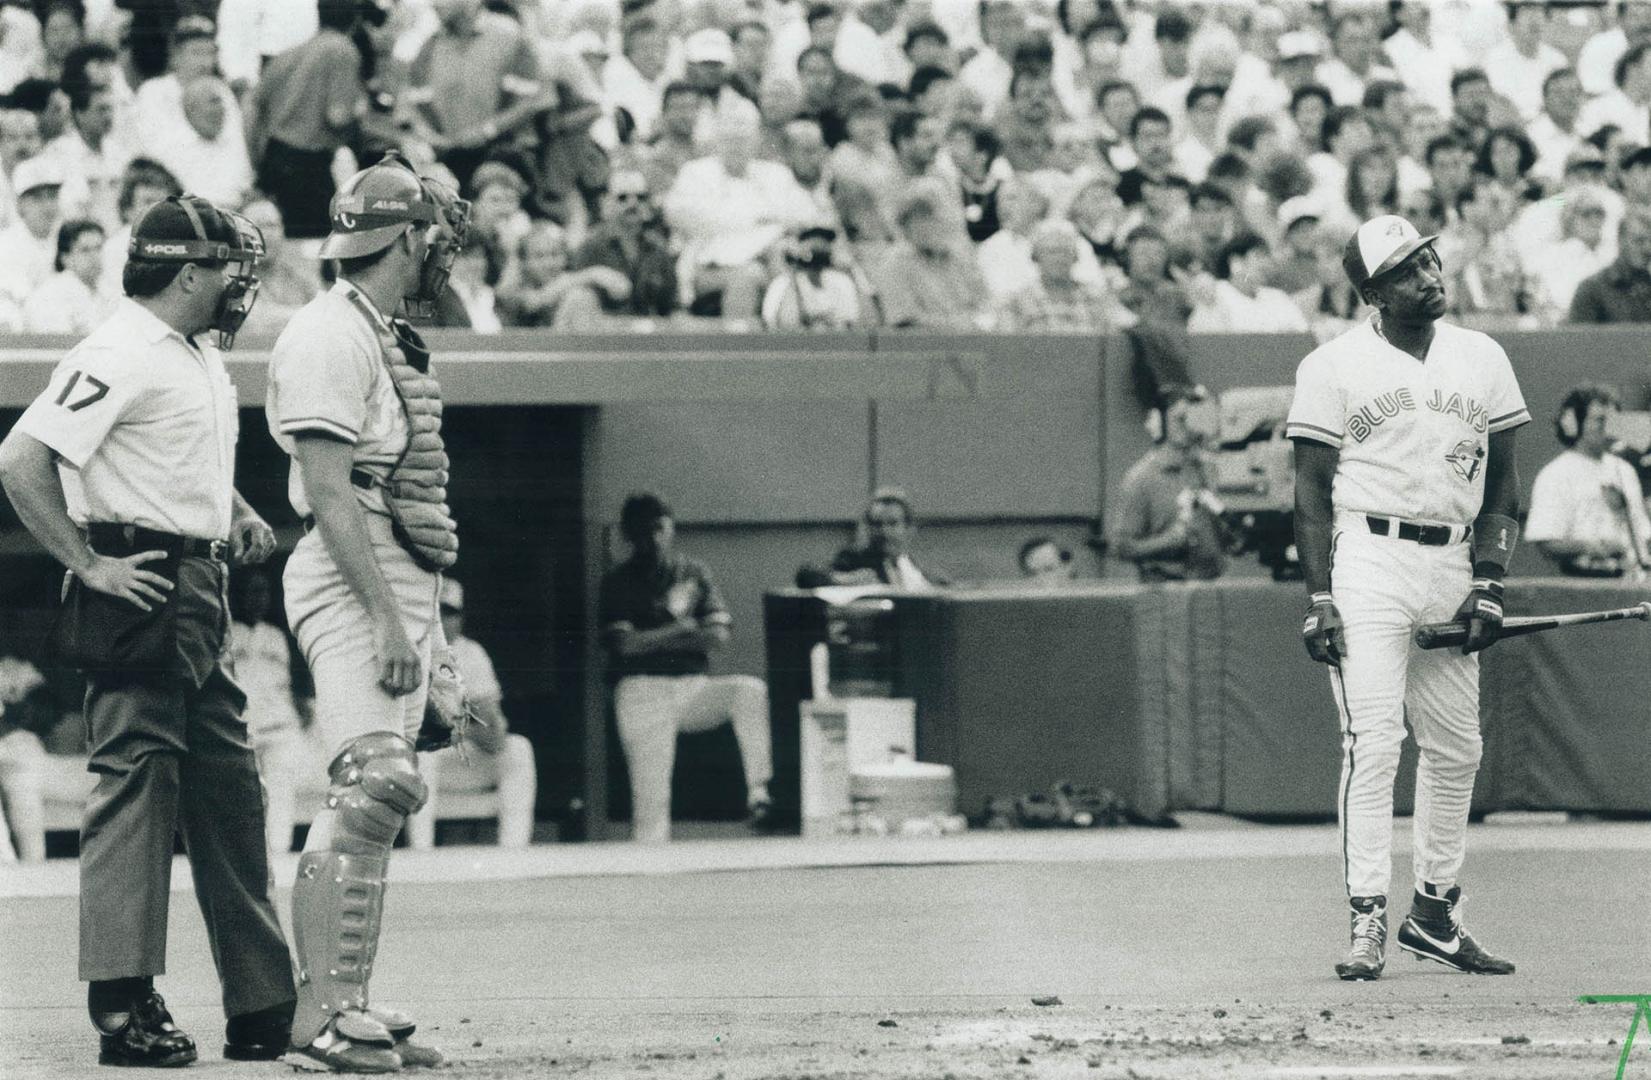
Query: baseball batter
pixel 1406 505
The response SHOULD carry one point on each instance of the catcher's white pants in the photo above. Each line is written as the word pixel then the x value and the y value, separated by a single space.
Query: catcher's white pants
pixel 1384 588
pixel 651 709
pixel 336 635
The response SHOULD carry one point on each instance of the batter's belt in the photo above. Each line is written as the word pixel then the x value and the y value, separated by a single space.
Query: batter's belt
pixel 1417 532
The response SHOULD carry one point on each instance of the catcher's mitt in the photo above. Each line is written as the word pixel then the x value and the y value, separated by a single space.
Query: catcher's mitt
pixel 447 712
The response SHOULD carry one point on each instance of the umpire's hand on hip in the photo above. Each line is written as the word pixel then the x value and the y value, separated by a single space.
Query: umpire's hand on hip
pixel 1481 613
pixel 1321 631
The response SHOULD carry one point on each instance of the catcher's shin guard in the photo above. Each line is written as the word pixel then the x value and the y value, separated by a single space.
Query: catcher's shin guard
pixel 338 899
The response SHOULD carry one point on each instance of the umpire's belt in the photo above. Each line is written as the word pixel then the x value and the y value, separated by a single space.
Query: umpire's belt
pixel 109 538
pixel 1428 535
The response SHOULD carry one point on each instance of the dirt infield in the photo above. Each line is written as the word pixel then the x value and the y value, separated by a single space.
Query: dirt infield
pixel 1170 957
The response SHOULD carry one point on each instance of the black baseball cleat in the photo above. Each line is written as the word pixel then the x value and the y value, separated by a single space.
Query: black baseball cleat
pixel 1433 931
pixel 259 1036
pixel 1368 954
pixel 142 1036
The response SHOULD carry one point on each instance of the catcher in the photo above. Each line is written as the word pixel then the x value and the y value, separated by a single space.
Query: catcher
pixel 352 401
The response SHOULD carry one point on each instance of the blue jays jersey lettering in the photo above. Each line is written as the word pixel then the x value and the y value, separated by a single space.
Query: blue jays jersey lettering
pixel 1412 436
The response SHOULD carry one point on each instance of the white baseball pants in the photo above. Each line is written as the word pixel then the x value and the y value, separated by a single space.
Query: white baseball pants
pixel 1384 588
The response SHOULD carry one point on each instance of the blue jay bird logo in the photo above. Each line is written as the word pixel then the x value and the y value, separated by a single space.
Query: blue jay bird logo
pixel 1466 459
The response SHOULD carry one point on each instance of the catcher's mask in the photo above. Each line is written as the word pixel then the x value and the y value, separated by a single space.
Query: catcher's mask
pixel 381 203
pixel 152 243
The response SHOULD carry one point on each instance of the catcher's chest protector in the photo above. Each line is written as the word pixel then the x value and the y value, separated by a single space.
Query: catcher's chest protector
pixel 416 491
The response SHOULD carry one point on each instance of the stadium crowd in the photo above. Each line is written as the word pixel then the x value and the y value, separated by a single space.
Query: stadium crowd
pixel 1081 165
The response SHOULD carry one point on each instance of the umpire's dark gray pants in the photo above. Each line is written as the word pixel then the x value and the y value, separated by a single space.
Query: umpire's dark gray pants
pixel 172 754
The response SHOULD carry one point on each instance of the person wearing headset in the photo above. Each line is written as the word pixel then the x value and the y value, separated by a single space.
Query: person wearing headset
pixel 1587 508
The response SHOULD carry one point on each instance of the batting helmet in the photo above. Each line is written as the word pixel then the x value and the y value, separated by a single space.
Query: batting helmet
pixel 375 206
pixel 1379 246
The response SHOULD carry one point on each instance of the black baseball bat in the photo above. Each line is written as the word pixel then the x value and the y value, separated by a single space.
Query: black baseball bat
pixel 1443 635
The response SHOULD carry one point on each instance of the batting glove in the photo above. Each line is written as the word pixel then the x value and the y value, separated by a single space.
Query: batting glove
pixel 1481 613
pixel 1322 632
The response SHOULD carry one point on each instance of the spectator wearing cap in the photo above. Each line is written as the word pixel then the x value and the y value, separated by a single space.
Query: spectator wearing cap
pixel 1356 59
pixel 1423 59
pixel 19 141
pixel 812 293
pixel 1620 293
pixel 1005 257
pixel 90 156
pixel 1240 300
pixel 1582 250
pixel 673 144
pixel 929 279
pixel 1628 104
pixel 70 301
pixel 1518 64
pixel 631 240
pixel 493 759
pixel 1554 132
pixel 988 72
pixel 159 103
pixel 729 210
pixel 28 246
pixel 301 112
pixel 1152 139
pixel 1149 291
pixel 1056 301
pixel 1295 267
pixel 708 56
pixel 475 82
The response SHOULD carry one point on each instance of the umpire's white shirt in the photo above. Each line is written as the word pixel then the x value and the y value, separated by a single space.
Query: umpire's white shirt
pixel 144 423
pixel 1413 436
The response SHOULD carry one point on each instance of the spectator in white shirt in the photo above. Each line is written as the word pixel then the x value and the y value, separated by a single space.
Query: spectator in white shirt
pixel 19 140
pixel 92 160
pixel 1628 104
pixel 1582 250
pixel 1152 66
pixel 1424 61
pixel 1518 65
pixel 1555 131
pixel 28 246
pixel 807 156
pixel 729 210
pixel 1238 300
pixel 1201 137
pixel 634 79
pixel 209 156
pixel 159 106
pixel 1346 135
pixel 1356 59
pixel 1005 257
pixel 987 74
pixel 69 301
pixel 1597 62
pixel 811 293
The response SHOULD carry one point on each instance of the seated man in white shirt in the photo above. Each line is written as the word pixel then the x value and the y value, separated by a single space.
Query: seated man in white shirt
pixel 1587 508
pixel 730 210
pixel 208 155
pixel 496 758
pixel 28 246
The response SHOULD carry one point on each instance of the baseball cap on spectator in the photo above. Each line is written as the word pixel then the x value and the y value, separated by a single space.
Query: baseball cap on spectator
pixel 1297 208
pixel 708 46
pixel 36 172
pixel 193 26
pixel 1585 156
pixel 452 595
pixel 497 172
pixel 587 43
pixel 1298 44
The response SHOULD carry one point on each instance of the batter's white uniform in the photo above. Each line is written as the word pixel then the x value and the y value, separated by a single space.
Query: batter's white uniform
pixel 327 376
pixel 1413 438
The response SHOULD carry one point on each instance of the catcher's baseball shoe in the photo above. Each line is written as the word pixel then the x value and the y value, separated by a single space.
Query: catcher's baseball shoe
pixel 352 1042
pixel 1433 931
pixel 1369 950
pixel 401 1027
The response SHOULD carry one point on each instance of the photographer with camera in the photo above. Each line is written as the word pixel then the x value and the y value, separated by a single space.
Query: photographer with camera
pixel 1588 512
pixel 813 294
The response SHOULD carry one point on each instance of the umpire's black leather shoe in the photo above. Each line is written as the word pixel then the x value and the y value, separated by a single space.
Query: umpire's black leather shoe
pixel 259 1036
pixel 143 1036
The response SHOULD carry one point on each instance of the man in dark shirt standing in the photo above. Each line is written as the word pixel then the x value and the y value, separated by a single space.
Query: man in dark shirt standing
pixel 1168 521
pixel 661 616
pixel 1620 293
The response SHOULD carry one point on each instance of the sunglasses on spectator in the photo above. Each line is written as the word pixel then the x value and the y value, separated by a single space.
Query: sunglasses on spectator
pixel 630 196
